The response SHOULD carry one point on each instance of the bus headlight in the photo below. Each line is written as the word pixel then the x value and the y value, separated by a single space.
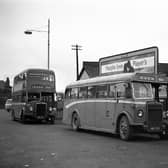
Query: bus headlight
pixel 50 109
pixel 140 113
pixel 31 108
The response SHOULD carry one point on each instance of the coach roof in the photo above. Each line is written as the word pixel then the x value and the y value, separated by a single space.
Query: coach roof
pixel 141 77
pixel 104 79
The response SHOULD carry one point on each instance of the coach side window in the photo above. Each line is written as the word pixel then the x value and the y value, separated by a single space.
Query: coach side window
pixel 112 90
pixel 74 93
pixel 101 91
pixel 121 90
pixel 91 91
pixel 83 92
pixel 68 93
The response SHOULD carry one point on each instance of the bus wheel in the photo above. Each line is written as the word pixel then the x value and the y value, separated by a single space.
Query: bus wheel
pixel 75 122
pixel 125 129
pixel 13 115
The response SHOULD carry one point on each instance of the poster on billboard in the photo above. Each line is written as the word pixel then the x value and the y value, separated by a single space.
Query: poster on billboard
pixel 140 61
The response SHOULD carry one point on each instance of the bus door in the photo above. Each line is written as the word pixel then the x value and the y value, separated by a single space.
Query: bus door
pixel 105 107
pixel 124 99
pixel 82 95
pixel 90 107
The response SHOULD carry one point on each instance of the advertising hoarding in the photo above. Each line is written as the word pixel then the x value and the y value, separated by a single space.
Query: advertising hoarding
pixel 141 61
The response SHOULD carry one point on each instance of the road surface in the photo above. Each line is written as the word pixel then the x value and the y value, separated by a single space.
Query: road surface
pixel 35 145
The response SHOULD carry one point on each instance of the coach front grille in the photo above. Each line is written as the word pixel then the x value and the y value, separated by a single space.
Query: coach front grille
pixel 154 114
pixel 41 109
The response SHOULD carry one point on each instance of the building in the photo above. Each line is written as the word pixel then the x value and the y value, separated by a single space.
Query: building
pixel 89 70
pixel 5 91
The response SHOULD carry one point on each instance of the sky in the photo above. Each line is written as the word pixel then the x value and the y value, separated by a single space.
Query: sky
pixel 102 27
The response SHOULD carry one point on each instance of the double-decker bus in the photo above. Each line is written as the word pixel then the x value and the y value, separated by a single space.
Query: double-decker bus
pixel 122 104
pixel 34 95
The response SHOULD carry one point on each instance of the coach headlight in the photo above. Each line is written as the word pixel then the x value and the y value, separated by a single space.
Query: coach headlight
pixel 140 113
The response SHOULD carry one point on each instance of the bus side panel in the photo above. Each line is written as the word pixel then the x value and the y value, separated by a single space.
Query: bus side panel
pixel 111 109
pixel 90 111
pixel 72 106
pixel 105 115
pixel 66 112
pixel 124 107
pixel 81 109
pixel 101 114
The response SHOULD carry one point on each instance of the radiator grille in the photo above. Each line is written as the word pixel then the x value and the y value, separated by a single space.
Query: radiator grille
pixel 154 114
pixel 41 109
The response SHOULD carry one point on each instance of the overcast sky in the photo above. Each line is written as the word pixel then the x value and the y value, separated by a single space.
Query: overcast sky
pixel 101 27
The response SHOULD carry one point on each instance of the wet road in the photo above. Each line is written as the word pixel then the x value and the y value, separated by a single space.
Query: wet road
pixel 57 146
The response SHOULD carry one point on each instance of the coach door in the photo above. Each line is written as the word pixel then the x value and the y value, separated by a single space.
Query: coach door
pixel 105 106
pixel 90 107
pixel 124 98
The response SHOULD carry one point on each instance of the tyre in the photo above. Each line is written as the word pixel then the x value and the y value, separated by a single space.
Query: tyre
pixel 125 129
pixel 75 122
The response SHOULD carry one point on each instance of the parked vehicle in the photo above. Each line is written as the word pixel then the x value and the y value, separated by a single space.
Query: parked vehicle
pixel 122 104
pixel 33 96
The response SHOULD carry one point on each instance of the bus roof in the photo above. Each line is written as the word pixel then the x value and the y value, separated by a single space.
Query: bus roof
pixel 34 70
pixel 141 77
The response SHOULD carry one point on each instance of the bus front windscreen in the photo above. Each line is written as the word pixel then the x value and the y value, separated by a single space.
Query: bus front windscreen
pixel 142 90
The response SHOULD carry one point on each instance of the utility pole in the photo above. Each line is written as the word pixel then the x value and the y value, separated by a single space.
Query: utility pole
pixel 77 47
pixel 30 31
pixel 48 44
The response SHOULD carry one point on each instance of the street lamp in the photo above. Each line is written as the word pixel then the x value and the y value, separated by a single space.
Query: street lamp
pixel 30 31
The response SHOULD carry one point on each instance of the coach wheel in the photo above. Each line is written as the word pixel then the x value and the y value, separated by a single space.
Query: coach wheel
pixel 13 115
pixel 125 129
pixel 75 122
pixel 164 133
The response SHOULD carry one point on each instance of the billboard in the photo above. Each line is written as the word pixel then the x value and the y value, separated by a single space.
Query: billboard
pixel 141 61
